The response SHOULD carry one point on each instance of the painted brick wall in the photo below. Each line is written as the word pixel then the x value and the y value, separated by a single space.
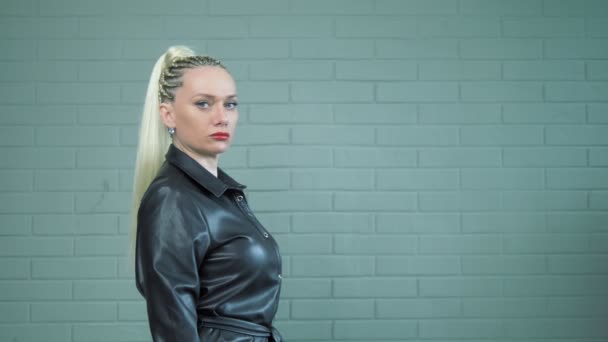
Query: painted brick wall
pixel 434 170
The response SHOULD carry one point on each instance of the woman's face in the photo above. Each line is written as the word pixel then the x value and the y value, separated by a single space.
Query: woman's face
pixel 204 112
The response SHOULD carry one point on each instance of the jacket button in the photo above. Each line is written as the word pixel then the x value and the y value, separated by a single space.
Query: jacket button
pixel 266 235
pixel 280 276
pixel 239 198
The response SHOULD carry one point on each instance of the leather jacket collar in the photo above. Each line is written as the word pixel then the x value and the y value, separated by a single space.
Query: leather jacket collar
pixel 216 185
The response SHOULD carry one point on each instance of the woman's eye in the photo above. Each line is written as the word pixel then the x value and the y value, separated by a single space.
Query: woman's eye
pixel 231 105
pixel 203 104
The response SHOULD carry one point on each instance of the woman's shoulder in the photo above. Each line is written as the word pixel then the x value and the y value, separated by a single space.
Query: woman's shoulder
pixel 169 187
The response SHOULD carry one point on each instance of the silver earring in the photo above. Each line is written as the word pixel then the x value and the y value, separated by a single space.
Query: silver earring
pixel 171 131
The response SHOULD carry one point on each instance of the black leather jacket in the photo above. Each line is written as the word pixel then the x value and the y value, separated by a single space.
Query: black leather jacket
pixel 208 269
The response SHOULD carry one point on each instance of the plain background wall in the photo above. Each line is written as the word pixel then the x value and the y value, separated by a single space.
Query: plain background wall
pixel 433 170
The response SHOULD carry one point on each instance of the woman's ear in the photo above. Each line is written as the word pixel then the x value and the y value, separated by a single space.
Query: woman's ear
pixel 167 115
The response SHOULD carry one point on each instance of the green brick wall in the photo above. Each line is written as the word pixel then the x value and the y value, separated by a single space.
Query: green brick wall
pixel 434 170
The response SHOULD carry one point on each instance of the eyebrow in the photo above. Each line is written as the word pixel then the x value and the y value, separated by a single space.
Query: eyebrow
pixel 214 97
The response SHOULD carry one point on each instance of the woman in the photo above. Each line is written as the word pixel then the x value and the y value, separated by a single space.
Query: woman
pixel 208 269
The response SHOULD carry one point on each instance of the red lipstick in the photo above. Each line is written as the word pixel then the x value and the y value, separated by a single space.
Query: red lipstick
pixel 220 136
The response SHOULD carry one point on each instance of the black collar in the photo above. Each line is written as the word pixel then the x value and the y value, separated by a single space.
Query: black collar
pixel 216 185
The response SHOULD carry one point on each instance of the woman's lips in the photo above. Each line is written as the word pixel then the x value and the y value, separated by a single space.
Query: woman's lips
pixel 220 136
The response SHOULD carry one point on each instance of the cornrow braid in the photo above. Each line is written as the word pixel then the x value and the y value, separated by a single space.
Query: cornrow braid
pixel 171 76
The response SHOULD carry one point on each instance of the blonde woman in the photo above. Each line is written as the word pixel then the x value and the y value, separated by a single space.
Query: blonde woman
pixel 208 269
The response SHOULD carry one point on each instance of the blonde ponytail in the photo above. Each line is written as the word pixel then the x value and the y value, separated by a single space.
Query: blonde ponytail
pixel 153 138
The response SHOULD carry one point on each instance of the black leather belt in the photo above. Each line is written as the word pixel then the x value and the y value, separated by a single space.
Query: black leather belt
pixel 242 326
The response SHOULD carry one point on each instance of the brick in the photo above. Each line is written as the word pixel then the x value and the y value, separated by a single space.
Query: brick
pixel 179 7
pixel 544 200
pixel 248 135
pixel 304 244
pixel 101 245
pixel 375 329
pixel 16 136
pixel 459 244
pixel 375 201
pixel 18 8
pixel 376 70
pixel 366 156
pixel 375 113
pixel 332 48
pixel 105 290
pixel 460 70
pixel 35 290
pixel 552 113
pixel 512 178
pixel 459 201
pixel 501 265
pixel 305 288
pixel 14 313
pixel 332 135
pixel 291 70
pixel 116 332
pixel 339 179
pixel 576 306
pixel 596 27
pixel 93 49
pixel 515 7
pixel 105 158
pixel 73 312
pixel 418 223
pixel 459 157
pixel 597 70
pixel 419 135
pixel 374 244
pixel 72 268
pixel 544 71
pixel 267 179
pixel 375 26
pixel 543 27
pixel 332 309
pixel 113 71
pixel 332 92
pixel 555 286
pixel 416 48
pixel 598 200
pixel 75 224
pixel 598 157
pixel 290 113
pixel 36 202
pixel 573 222
pixel 290 26
pixel 501 91
pixel 506 222
pixel 249 48
pixel 89 115
pixel 305 330
pixel 418 308
pixel 72 180
pixel 544 157
pixel 333 265
pixel 503 48
pixel 187 27
pixel 128 311
pixel 417 92
pixel 576 48
pixel 545 244
pixel 14 268
pixel 103 202
pixel 328 7
pixel 332 223
pixel 35 246
pixel 234 7
pixel 417 179
pixel 32 71
pixel 35 332
pixel 13 180
pixel 17 93
pixel 15 224
pixel 504 307
pixel 72 7
pixel 556 328
pixel 128 136
pixel 417 7
pixel 501 135
pixel 584 264
pixel 152 49
pixel 277 201
pixel 18 50
pixel 81 136
pixel 124 27
pixel 38 115
pixel 577 135
pixel 482 328
pixel 417 265
pixel 454 26
pixel 459 287
pixel 576 91
pixel 577 178
pixel 276 223
pixel 378 287
pixel 289 156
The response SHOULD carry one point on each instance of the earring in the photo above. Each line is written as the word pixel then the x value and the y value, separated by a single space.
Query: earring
pixel 171 131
